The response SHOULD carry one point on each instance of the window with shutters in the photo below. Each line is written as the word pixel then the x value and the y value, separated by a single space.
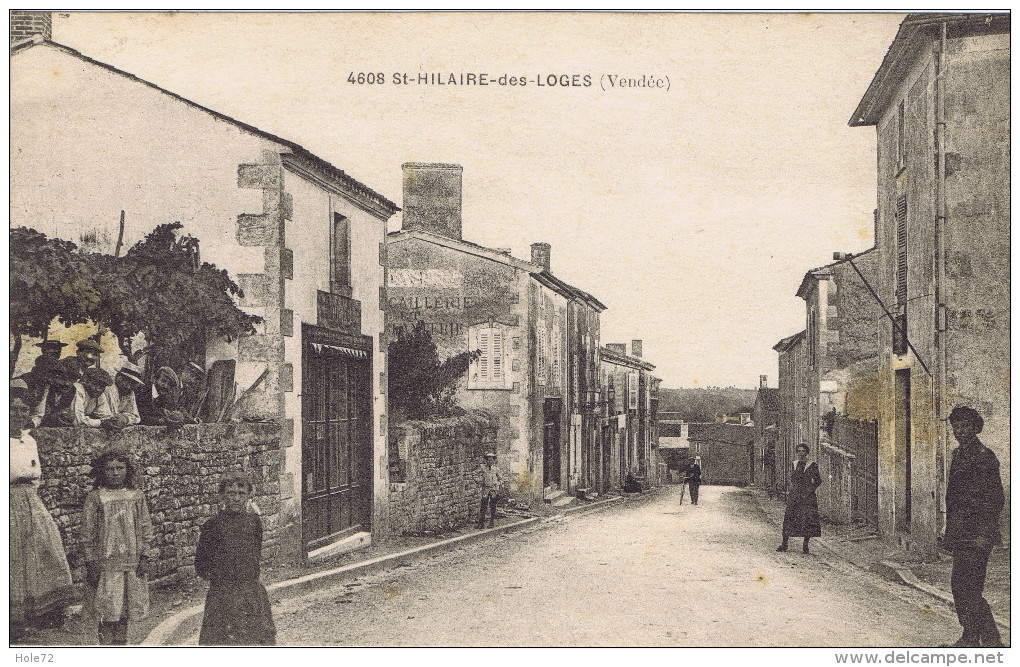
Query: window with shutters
pixel 632 390
pixel 899 329
pixel 541 352
pixel 340 256
pixel 901 140
pixel 554 380
pixel 490 369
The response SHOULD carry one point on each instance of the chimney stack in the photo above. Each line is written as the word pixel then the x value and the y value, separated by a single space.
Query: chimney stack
pixel 26 24
pixel 763 381
pixel 541 254
pixel 635 347
pixel 432 198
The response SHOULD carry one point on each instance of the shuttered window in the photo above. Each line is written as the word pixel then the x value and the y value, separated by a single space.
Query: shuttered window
pixel 632 387
pixel 489 370
pixel 899 337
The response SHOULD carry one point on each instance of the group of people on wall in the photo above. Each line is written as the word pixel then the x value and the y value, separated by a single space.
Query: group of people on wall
pixel 76 391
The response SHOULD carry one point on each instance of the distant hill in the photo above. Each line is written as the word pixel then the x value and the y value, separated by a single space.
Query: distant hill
pixel 702 405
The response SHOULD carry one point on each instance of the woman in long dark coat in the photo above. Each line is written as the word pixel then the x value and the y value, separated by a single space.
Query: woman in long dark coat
pixel 801 519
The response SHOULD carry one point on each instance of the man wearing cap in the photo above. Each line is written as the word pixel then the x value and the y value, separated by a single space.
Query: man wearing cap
pixel 86 408
pixel 88 353
pixel 51 349
pixel 490 479
pixel 56 408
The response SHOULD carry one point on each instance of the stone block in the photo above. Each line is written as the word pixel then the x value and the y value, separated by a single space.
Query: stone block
pixel 287 206
pixel 257 289
pixel 259 176
pixel 287 323
pixel 286 377
pixel 260 347
pixel 258 230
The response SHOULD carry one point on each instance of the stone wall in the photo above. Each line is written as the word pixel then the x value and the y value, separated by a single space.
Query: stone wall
pixel 178 470
pixel 439 461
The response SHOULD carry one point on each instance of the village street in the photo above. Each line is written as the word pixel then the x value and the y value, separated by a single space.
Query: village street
pixel 647 572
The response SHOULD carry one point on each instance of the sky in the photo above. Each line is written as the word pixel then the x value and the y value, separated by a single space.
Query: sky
pixel 692 210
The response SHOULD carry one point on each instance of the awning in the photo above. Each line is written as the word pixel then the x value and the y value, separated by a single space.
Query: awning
pixel 338 349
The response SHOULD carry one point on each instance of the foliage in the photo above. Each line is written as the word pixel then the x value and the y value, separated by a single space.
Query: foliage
pixel 160 288
pixel 702 405
pixel 420 386
pixel 48 282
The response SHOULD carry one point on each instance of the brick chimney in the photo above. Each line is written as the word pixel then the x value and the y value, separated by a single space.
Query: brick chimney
pixel 635 347
pixel 619 348
pixel 541 254
pixel 763 381
pixel 432 198
pixel 26 24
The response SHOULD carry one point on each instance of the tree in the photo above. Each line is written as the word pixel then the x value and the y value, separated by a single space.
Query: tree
pixel 49 281
pixel 419 385
pixel 162 290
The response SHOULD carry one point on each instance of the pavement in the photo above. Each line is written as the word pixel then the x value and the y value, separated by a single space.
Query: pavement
pixel 861 546
pixel 176 611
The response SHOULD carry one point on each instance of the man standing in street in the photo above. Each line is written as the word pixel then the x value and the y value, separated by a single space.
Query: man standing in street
pixel 974 499
pixel 694 480
pixel 490 480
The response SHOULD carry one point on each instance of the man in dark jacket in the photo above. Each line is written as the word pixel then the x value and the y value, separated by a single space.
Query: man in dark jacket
pixel 694 480
pixel 974 499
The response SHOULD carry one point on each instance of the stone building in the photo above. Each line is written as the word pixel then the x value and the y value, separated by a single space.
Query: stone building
pixel 940 106
pixel 629 436
pixel 538 335
pixel 765 418
pixel 302 238
pixel 793 404
pixel 840 354
pixel 725 451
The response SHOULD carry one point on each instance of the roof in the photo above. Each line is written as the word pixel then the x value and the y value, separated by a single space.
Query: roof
pixel 537 272
pixel 768 397
pixel 788 342
pixel 825 271
pixel 359 192
pixel 605 354
pixel 913 36
pixel 729 434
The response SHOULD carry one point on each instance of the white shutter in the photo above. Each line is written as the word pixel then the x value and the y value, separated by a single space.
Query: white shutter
pixel 632 382
pixel 484 362
pixel 497 356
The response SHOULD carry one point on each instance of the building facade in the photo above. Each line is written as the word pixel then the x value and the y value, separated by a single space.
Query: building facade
pixel 629 436
pixel 841 350
pixel 793 404
pixel 302 239
pixel 766 434
pixel 940 106
pixel 725 451
pixel 538 336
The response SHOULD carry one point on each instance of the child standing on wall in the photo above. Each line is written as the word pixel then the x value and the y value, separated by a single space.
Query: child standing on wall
pixel 117 533
pixel 237 611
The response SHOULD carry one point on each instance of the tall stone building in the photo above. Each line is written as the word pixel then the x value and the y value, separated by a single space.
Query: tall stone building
pixel 301 237
pixel 940 106
pixel 538 336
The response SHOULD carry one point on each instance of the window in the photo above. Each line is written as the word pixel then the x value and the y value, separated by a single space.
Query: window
pixel 489 371
pixel 340 256
pixel 555 349
pixel 901 141
pixel 632 390
pixel 900 327
pixel 541 350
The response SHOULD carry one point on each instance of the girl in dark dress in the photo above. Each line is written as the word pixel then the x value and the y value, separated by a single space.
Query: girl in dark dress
pixel 801 519
pixel 237 611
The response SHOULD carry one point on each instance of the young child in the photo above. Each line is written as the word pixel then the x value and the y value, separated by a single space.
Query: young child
pixel 237 611
pixel 117 534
